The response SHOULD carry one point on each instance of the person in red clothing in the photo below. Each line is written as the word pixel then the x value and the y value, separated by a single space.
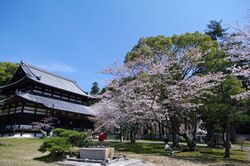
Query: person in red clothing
pixel 102 138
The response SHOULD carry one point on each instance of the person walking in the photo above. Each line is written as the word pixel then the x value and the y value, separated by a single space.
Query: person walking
pixel 102 138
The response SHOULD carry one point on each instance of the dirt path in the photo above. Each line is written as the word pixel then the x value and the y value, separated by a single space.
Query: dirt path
pixel 168 161
pixel 163 160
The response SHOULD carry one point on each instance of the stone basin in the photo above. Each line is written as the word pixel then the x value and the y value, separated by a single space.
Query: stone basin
pixel 97 153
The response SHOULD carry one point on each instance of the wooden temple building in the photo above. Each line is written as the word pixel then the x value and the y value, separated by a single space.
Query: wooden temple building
pixel 34 94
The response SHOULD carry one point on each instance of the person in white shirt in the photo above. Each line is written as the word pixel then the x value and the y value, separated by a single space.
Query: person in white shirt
pixel 169 149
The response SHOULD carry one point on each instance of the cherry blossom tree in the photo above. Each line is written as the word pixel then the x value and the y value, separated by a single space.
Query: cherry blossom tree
pixel 124 102
pixel 164 80
pixel 147 90
pixel 237 46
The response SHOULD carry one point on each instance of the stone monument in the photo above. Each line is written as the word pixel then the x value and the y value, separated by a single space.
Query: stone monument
pixel 97 153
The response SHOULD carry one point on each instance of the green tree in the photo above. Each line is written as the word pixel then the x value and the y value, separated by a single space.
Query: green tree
pixel 190 44
pixel 95 89
pixel 154 47
pixel 215 30
pixel 57 146
pixel 150 47
pixel 222 110
pixel 103 90
pixel 7 70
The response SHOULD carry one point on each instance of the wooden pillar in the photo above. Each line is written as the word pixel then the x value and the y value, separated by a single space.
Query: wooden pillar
pixel 1 116
pixel 21 118
pixel 9 120
pixel 2 120
pixel 34 119
pixel 42 90
pixel 66 121
pixel 13 119
pixel 81 125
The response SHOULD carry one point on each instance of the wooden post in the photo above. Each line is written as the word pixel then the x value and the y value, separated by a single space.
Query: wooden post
pixel 81 125
pixel 21 117
pixel 66 121
pixel 2 119
pixel 35 118
pixel 9 119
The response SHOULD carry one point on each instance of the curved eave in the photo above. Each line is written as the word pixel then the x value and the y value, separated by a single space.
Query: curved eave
pixel 58 104
pixel 89 97
pixel 33 76
pixel 13 83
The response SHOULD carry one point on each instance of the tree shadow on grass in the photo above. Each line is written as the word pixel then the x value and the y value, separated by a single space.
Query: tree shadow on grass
pixel 48 158
pixel 4 145
pixel 140 148
pixel 204 155
pixel 198 159
pixel 210 160
pixel 211 157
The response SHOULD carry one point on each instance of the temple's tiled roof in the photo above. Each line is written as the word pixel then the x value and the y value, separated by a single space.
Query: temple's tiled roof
pixel 50 79
pixel 57 104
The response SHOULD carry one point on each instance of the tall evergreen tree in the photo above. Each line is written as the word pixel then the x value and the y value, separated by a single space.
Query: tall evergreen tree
pixel 103 90
pixel 95 89
pixel 222 110
pixel 215 30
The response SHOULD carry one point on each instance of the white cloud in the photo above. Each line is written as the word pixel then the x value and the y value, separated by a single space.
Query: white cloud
pixel 62 68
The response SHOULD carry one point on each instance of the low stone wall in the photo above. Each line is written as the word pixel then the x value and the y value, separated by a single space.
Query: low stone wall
pixel 97 153
pixel 22 135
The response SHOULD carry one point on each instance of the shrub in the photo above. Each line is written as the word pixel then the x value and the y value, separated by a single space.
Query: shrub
pixel 63 139
pixel 75 138
pixel 57 146
pixel 59 132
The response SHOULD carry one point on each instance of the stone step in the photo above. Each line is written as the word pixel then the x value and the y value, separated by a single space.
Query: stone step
pixel 130 162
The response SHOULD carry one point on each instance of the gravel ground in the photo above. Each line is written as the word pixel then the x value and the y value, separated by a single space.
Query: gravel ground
pixel 163 160
pixel 168 161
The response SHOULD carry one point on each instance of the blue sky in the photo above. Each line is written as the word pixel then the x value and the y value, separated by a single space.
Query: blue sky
pixel 78 38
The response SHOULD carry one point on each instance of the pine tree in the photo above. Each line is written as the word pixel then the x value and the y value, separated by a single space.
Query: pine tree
pixel 215 30
pixel 95 89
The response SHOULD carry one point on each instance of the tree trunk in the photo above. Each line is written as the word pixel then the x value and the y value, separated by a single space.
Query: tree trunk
pixel 223 138
pixel 121 136
pixel 162 131
pixel 194 132
pixel 155 131
pixel 233 134
pixel 210 133
pixel 159 130
pixel 175 131
pixel 227 146
pixel 175 139
pixel 190 143
pixel 132 135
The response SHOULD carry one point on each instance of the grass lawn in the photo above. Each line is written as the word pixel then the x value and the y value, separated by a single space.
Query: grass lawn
pixel 247 143
pixel 21 152
pixel 204 155
pixel 24 152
